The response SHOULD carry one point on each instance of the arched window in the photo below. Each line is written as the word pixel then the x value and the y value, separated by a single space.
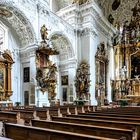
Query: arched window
pixel 3 37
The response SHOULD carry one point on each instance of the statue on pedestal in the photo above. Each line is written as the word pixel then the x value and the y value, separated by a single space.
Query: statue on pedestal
pixel 82 81
pixel 44 33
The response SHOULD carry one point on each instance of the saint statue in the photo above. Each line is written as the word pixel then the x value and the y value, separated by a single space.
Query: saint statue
pixel 44 33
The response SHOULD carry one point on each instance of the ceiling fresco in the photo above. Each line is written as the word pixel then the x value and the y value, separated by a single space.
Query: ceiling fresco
pixel 117 11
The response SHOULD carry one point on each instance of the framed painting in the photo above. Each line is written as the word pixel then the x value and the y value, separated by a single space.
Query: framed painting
pixel 26 74
pixel 2 79
pixel 64 80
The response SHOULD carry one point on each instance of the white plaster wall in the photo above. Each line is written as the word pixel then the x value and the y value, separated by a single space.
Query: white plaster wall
pixel 24 86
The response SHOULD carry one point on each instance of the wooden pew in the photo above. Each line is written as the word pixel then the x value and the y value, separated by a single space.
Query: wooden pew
pixel 42 114
pixel 53 111
pixel 85 129
pixel 25 115
pixel 79 109
pixel 72 109
pixel 20 132
pixel 107 123
pixel 121 109
pixel 106 118
pixel 86 108
pixel 64 110
pixel 8 116
pixel 118 112
pixel 114 114
pixel 92 108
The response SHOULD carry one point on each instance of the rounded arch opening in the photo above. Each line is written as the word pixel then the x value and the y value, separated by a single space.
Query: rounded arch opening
pixel 19 22
pixel 61 43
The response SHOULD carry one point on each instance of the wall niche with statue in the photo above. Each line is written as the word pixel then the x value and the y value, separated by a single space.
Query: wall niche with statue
pixel 6 62
pixel 101 59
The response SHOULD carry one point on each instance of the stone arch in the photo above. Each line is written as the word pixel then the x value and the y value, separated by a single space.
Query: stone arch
pixel 19 22
pixel 62 44
pixel 66 66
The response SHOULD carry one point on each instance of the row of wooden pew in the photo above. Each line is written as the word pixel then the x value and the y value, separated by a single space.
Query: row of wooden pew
pixel 18 114
pixel 113 124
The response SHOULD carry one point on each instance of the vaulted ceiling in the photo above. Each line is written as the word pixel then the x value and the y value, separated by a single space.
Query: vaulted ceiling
pixel 119 10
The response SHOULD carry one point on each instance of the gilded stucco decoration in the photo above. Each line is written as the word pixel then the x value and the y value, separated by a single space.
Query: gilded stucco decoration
pixel 6 62
pixel 46 74
pixel 82 80
pixel 122 12
pixel 5 13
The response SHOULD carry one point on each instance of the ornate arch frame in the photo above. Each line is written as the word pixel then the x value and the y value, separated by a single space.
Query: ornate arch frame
pixel 20 23
pixel 63 35
pixel 67 87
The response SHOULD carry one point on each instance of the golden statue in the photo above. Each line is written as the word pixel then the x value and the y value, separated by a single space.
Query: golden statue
pixel 80 1
pixel 44 33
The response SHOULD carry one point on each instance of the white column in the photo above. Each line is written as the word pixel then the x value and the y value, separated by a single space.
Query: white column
pixel 110 73
pixel 93 48
pixel 88 50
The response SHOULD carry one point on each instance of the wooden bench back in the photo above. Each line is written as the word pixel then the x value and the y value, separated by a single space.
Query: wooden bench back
pixel 20 132
pixel 93 130
pixel 107 123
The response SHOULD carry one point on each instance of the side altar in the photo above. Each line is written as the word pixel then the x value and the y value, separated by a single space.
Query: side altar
pixel 6 62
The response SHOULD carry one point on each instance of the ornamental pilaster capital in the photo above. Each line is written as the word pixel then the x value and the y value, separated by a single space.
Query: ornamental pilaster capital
pixel 88 31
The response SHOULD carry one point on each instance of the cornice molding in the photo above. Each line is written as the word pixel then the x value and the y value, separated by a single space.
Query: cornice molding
pixel 96 17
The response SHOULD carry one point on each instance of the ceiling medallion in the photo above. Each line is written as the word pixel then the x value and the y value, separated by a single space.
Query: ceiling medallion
pixel 5 13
